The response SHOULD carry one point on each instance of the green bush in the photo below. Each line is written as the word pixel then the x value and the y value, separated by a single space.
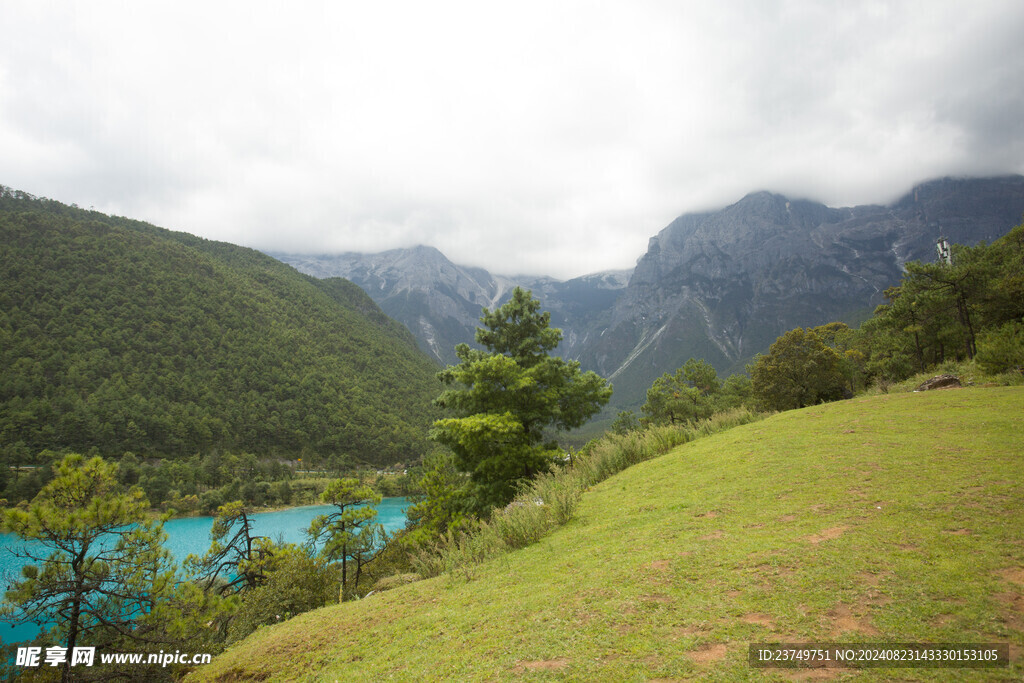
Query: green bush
pixel 1002 349
pixel 297 582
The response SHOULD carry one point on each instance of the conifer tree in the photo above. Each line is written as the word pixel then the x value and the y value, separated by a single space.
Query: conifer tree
pixel 350 534
pixel 234 561
pixel 96 566
pixel 508 398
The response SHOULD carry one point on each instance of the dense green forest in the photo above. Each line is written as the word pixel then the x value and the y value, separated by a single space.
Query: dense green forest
pixel 117 336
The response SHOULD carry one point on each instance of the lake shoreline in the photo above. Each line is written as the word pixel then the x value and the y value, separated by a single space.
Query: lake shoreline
pixel 156 514
pixel 191 535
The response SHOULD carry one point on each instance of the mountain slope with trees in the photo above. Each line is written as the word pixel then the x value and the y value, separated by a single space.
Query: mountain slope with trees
pixel 441 301
pixel 117 336
pixel 724 285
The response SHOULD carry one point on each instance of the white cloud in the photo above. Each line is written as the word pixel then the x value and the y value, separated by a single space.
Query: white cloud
pixel 533 137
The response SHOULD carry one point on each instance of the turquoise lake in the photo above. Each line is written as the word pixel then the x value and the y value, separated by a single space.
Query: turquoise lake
pixel 192 535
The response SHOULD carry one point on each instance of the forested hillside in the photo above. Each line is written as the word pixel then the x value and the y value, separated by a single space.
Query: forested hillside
pixel 120 336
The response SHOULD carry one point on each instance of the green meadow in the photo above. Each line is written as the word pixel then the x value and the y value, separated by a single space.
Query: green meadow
pixel 886 518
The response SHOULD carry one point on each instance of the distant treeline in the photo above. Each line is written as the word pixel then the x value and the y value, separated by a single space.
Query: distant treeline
pixel 201 484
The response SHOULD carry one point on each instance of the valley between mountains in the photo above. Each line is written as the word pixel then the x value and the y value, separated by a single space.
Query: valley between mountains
pixel 720 285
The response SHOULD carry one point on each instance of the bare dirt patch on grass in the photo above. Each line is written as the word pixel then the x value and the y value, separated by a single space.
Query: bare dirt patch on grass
pixel 1013 574
pixel 542 665
pixel 828 534
pixel 843 620
pixel 872 579
pixel 774 569
pixel 758 619
pixel 1011 609
pixel 708 654
pixel 689 632
pixel 957 532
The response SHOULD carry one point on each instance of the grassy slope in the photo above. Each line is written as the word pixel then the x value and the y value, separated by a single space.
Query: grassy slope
pixel 894 517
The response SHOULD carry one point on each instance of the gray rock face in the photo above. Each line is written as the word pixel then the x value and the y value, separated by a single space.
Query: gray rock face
pixel 718 285
pixel 437 300
pixel 441 302
pixel 723 285
pixel 939 382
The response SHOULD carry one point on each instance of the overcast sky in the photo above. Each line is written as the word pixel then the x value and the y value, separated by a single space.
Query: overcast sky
pixel 527 137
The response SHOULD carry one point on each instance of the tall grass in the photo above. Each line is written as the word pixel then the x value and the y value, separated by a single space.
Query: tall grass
pixel 550 500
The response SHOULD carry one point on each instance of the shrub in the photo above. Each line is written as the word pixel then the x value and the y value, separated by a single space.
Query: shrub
pixel 298 582
pixel 799 370
pixel 1002 350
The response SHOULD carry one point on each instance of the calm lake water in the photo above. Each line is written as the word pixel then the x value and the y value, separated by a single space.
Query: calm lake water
pixel 192 535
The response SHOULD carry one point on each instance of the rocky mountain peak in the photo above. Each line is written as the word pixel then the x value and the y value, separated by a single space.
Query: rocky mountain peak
pixel 723 285
pixel 719 285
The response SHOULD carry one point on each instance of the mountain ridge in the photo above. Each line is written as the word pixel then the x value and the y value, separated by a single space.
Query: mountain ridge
pixel 118 336
pixel 719 285
pixel 723 285
pixel 441 301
